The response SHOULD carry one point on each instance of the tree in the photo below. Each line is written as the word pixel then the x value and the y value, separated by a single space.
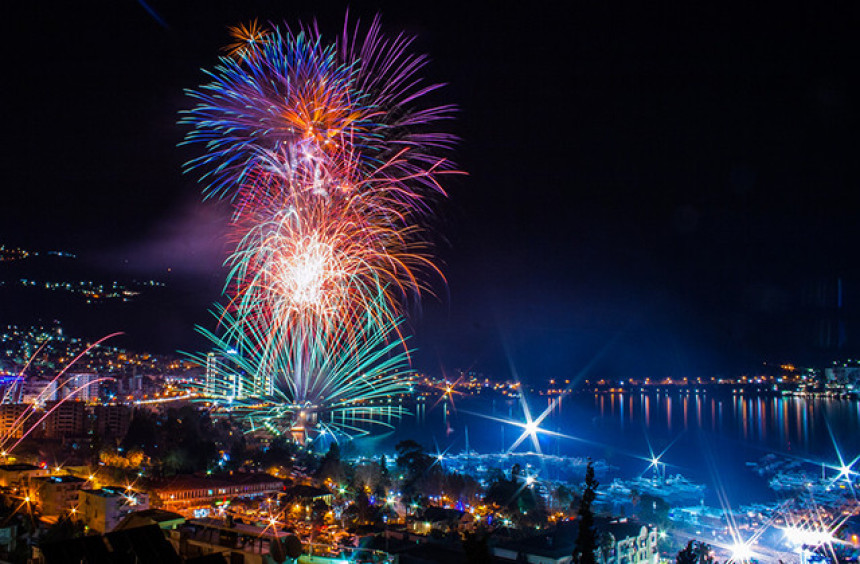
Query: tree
pixel 703 550
pixel 564 496
pixel 586 539
pixel 361 509
pixel 383 467
pixel 142 432
pixel 517 498
pixel 63 529
pixel 687 555
pixel 289 548
pixel 695 553
pixel 413 458
pixel 330 466
pixel 369 477
pixel 319 508
pixel 606 543
pixel 238 452
pixel 415 461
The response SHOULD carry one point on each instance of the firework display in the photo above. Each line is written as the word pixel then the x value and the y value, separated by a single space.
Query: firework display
pixel 332 165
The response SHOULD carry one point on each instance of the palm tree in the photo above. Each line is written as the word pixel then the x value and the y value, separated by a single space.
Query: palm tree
pixel 695 552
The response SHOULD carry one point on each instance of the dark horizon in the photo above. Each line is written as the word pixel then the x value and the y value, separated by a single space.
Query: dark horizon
pixel 665 191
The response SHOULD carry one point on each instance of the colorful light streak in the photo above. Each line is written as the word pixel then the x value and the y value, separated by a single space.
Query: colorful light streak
pixel 18 424
pixel 331 165
pixel 278 380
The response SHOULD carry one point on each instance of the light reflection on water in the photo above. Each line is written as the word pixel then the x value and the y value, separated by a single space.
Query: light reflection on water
pixel 729 428
pixel 784 423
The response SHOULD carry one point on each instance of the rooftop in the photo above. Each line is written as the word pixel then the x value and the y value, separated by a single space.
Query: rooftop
pixel 111 491
pixel 198 482
pixel 19 467
pixel 141 545
pixel 64 479
pixel 239 528
pixel 158 515
pixel 435 514
pixel 162 518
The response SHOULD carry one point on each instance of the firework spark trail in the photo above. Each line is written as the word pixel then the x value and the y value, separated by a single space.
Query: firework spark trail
pixel 246 39
pixel 331 165
pixel 320 266
pixel 21 420
pixel 36 424
pixel 295 126
pixel 292 90
pixel 275 373
pixel 23 416
pixel 10 390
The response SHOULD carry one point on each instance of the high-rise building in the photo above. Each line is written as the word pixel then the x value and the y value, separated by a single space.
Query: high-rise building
pixel 37 390
pixel 112 421
pixel 13 424
pixel 263 384
pixel 224 379
pixel 67 419
pixel 81 385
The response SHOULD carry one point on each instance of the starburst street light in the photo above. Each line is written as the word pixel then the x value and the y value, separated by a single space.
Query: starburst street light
pixel 740 552
pixel 439 457
pixel 844 469
pixel 531 426
pixel 814 529
pixel 448 391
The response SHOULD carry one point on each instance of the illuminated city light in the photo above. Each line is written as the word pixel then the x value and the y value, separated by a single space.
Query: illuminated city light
pixel 740 552
pixel 799 536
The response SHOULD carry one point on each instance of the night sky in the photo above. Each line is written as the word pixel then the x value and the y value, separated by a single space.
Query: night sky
pixel 660 191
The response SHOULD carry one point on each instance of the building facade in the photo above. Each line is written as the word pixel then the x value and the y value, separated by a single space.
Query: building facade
pixel 186 492
pixel 56 495
pixel 66 419
pixel 102 509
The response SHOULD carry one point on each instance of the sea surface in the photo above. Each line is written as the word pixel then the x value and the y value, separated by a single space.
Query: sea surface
pixel 708 438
